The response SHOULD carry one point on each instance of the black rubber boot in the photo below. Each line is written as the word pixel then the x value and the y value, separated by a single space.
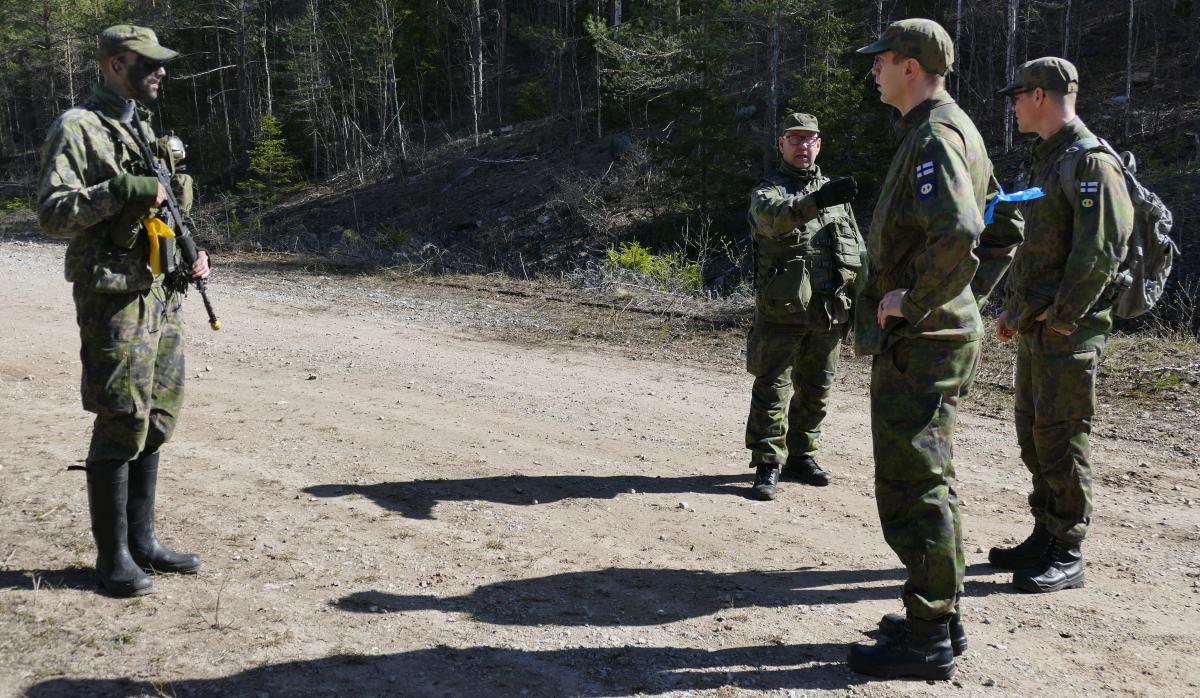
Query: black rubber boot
pixel 1025 554
pixel 806 470
pixel 147 552
pixel 1060 568
pixel 766 481
pixel 922 652
pixel 892 626
pixel 108 492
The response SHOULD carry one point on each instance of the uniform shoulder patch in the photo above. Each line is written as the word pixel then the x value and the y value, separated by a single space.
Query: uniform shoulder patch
pixel 926 182
pixel 1087 193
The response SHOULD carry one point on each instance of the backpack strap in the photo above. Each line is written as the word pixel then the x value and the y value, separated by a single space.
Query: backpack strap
pixel 1068 163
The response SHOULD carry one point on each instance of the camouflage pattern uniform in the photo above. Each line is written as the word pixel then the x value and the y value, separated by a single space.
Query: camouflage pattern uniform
pixel 927 235
pixel 131 334
pixel 806 262
pixel 1075 240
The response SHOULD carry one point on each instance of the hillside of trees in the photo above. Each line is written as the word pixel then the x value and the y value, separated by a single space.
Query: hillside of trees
pixel 529 136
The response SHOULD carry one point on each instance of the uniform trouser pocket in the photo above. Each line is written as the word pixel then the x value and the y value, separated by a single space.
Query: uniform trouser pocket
pixel 915 388
pixel 794 368
pixel 1055 402
pixel 131 351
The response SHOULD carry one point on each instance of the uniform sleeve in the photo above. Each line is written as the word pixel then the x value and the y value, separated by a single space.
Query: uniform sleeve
pixel 66 203
pixel 776 213
pixel 947 210
pixel 1102 225
pixel 997 245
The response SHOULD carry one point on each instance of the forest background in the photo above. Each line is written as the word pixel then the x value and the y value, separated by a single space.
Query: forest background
pixel 572 136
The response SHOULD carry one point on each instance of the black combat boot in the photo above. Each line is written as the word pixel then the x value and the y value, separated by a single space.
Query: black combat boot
pixel 108 492
pixel 892 626
pixel 147 552
pixel 922 651
pixel 1060 568
pixel 1025 554
pixel 806 470
pixel 766 480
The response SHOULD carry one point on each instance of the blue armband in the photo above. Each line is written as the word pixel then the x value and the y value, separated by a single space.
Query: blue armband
pixel 1024 195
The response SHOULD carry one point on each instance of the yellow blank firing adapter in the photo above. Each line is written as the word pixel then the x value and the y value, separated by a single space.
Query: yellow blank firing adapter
pixel 156 229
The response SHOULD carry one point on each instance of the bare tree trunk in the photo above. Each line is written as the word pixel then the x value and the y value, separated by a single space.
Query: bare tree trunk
pixel 616 13
pixel 1010 51
pixel 224 108
pixel 958 50
pixel 1129 68
pixel 501 58
pixel 476 65
pixel 245 112
pixel 1066 29
pixel 267 75
pixel 772 111
pixel 599 84
pixel 878 17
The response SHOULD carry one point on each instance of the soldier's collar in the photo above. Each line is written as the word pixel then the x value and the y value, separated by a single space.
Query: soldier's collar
pixel 920 113
pixel 113 105
pixel 791 171
pixel 1072 131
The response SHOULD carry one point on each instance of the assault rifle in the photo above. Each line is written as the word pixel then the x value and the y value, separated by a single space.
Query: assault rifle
pixel 178 277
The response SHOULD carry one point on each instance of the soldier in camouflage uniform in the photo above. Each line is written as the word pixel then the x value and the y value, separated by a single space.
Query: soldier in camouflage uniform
pixel 918 316
pixel 96 190
pixel 1058 306
pixel 807 259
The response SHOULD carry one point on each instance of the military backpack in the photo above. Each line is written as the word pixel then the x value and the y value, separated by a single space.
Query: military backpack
pixel 1142 276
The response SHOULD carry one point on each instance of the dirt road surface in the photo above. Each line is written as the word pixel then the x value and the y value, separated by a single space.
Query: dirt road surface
pixel 402 489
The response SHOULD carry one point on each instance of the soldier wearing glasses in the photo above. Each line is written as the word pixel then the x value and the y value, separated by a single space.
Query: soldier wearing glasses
pixel 807 259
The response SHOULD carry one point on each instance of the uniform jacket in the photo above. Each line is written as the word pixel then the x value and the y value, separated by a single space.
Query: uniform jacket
pixel 806 258
pixel 1076 237
pixel 927 232
pixel 86 147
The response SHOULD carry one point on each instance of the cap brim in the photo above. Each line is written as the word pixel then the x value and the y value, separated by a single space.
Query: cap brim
pixel 801 128
pixel 878 47
pixel 1009 89
pixel 154 52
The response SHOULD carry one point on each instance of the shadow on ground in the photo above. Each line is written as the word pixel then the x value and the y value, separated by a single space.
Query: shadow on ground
pixel 83 578
pixel 624 597
pixel 497 671
pixel 416 499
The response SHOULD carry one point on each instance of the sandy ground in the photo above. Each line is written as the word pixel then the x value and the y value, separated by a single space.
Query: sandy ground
pixel 405 489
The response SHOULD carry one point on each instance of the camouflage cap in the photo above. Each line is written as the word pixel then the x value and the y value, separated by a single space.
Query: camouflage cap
pixel 922 39
pixel 799 122
pixel 120 38
pixel 1049 73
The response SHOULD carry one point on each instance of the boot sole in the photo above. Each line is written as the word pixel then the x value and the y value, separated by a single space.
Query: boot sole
pixel 151 569
pixel 1031 587
pixel 761 496
pixel 930 672
pixel 124 593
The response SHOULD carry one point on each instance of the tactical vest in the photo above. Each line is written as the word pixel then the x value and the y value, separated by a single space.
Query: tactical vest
pixel 112 256
pixel 819 260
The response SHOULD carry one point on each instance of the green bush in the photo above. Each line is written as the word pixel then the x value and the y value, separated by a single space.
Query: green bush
pixel 669 269
pixel 17 203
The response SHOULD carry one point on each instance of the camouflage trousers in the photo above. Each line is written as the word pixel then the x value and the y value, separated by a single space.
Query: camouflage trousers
pixel 915 388
pixel 133 369
pixel 1056 398
pixel 793 368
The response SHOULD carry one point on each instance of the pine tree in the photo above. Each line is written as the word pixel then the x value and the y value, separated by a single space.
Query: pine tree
pixel 276 171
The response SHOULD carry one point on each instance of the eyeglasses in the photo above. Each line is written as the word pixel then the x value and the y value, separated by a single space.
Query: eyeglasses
pixel 802 140
pixel 151 65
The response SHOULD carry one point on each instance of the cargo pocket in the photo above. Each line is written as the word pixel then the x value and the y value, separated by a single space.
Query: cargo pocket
pixel 790 285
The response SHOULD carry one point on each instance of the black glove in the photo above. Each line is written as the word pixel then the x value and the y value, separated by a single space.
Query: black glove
pixel 836 192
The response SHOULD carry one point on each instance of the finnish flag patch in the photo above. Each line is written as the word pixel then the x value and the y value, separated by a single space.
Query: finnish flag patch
pixel 925 169
pixel 1089 187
